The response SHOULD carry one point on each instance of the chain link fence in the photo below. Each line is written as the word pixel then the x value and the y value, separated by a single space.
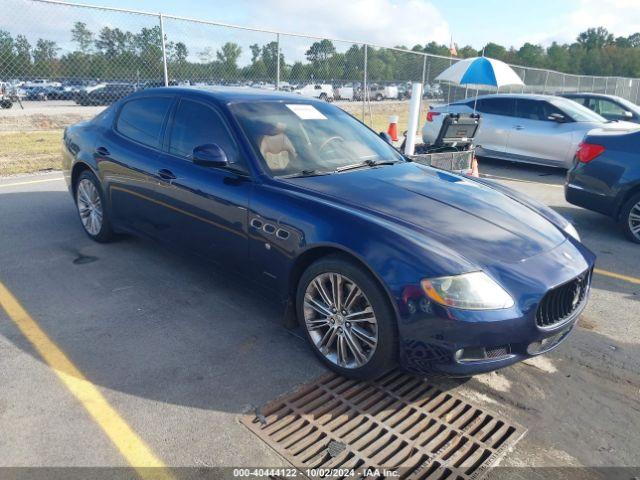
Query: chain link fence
pixel 55 55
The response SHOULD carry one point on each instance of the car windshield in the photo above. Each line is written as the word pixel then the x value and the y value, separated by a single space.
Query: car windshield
pixel 577 112
pixel 294 138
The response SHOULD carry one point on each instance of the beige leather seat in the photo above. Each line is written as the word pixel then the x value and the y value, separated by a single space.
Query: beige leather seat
pixel 277 149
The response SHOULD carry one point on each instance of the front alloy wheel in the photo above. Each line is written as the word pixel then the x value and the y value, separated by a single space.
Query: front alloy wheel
pixel 340 320
pixel 347 317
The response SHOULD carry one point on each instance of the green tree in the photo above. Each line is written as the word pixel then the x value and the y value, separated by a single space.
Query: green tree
pixel 595 38
pixel 22 49
pixel 437 49
pixel 6 53
pixel 467 52
pixel 299 73
pixel 530 55
pixel 228 57
pixel 493 50
pixel 44 57
pixel 634 40
pixel 320 51
pixel 269 56
pixel 255 52
pixel 82 36
pixel 558 57
pixel 113 41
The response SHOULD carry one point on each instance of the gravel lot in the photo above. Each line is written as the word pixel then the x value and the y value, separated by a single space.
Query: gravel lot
pixel 180 349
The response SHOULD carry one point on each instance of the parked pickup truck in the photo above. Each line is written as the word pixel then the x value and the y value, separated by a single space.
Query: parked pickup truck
pixel 322 91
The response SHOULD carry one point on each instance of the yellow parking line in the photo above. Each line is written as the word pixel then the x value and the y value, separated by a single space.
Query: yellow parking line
pixel 15 184
pixel 618 276
pixel 130 445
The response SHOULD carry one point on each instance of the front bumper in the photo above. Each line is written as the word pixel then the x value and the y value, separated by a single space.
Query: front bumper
pixel 457 342
pixel 466 356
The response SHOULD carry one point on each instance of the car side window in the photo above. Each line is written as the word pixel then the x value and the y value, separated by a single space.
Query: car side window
pixel 497 106
pixel 607 107
pixel 197 124
pixel 549 109
pixel 530 109
pixel 141 119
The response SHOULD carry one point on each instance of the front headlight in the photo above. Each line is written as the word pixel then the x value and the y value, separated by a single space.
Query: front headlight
pixel 469 291
pixel 571 230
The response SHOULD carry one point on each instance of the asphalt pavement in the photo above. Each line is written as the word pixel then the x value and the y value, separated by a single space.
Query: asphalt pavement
pixel 130 354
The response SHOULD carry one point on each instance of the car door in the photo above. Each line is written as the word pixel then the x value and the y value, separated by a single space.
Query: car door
pixel 536 138
pixel 128 156
pixel 496 121
pixel 204 208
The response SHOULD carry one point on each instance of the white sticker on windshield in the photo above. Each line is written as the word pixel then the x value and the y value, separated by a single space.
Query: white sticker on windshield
pixel 306 112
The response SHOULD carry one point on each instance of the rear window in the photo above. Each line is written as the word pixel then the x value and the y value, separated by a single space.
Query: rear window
pixel 497 106
pixel 141 119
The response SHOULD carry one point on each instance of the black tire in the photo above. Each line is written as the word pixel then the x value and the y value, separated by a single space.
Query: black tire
pixel 625 221
pixel 105 234
pixel 379 97
pixel 385 354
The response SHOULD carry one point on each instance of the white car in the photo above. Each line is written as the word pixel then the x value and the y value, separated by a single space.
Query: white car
pixel 345 92
pixel 540 129
pixel 323 91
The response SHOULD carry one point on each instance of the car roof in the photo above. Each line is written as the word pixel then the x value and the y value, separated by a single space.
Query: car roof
pixel 228 95
pixel 588 94
pixel 530 96
pixel 613 98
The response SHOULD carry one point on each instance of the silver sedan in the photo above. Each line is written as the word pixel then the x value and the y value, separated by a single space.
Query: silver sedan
pixel 541 129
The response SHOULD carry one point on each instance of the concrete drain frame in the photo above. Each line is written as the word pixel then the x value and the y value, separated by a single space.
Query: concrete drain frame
pixel 397 426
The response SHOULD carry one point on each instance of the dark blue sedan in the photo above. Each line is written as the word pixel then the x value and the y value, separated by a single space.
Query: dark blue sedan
pixel 605 178
pixel 379 260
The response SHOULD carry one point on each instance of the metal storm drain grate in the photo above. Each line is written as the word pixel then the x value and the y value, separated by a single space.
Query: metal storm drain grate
pixel 335 428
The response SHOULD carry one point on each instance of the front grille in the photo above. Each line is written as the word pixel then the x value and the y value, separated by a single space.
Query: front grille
pixel 560 303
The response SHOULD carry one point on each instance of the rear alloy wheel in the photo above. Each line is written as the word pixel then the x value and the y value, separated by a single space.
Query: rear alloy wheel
pixel 346 318
pixel 91 208
pixel 630 218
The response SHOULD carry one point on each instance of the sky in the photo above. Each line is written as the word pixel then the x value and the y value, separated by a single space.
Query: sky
pixel 407 22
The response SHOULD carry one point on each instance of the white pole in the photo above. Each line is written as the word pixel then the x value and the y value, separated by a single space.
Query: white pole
pixel 164 53
pixel 278 62
pixel 414 117
pixel 364 86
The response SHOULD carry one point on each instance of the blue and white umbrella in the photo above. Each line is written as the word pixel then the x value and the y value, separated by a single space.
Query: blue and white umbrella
pixel 479 72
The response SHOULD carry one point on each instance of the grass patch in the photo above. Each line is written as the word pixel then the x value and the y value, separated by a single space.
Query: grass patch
pixel 29 152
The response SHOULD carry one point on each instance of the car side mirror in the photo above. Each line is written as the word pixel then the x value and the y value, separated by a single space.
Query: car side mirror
pixel 386 137
pixel 557 117
pixel 627 114
pixel 210 155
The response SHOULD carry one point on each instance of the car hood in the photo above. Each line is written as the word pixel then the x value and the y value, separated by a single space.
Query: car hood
pixel 477 221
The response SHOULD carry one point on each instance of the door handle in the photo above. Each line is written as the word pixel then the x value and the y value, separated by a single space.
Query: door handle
pixel 166 174
pixel 519 127
pixel 103 151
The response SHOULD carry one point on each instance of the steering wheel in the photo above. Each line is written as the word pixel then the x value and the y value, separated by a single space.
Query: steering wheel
pixel 335 138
